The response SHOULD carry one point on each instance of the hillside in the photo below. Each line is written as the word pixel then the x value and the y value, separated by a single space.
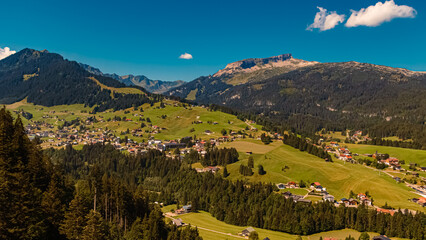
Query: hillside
pixel 48 79
pixel 154 86
pixel 338 177
pixel 171 122
pixel 323 95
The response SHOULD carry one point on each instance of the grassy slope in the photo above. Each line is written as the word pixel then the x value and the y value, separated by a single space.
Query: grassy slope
pixel 205 220
pixel 337 177
pixel 409 155
pixel 125 90
pixel 178 121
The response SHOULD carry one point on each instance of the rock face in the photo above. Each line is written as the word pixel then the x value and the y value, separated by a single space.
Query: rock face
pixel 255 64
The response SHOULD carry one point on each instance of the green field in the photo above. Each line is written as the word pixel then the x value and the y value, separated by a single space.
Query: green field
pixel 204 221
pixel 406 154
pixel 339 178
pixel 212 229
pixel 177 123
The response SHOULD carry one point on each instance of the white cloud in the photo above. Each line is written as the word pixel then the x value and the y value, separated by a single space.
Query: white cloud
pixel 5 52
pixel 185 56
pixel 325 20
pixel 373 16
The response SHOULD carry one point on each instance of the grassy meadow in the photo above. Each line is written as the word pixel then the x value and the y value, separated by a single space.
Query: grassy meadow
pixel 212 229
pixel 338 177
pixel 177 123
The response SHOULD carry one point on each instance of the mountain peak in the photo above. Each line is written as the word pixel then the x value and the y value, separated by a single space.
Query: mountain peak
pixel 255 64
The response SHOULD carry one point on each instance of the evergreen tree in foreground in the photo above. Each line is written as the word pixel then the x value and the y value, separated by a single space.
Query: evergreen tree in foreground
pixel 22 178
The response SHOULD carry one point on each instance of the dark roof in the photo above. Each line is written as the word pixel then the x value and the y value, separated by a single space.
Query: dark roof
pixel 381 237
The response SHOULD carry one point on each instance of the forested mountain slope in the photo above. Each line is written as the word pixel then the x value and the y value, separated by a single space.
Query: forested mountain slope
pixel 332 95
pixel 48 79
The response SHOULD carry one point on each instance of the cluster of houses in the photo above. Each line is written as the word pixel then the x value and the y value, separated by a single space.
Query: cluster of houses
pixel 392 162
pixel 317 189
pixel 361 198
pixel 208 169
pixel 288 185
pixel 357 137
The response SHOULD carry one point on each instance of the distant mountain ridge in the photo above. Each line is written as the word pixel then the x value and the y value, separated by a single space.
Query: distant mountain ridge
pixel 154 86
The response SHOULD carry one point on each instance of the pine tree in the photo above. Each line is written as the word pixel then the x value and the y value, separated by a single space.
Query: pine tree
pixel 74 222
pixel 225 172
pixel 364 236
pixel 96 228
pixel 261 171
pixel 254 236
pixel 250 162
pixel 20 200
pixel 53 204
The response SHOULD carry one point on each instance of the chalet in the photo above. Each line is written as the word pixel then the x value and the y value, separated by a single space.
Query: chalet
pixel 292 185
pixel 317 187
pixel 187 208
pixel 178 222
pixel 422 201
pixel 170 145
pixel 328 197
pixel 287 194
pixel 397 179
pixel 302 200
pixel 381 237
pixel 349 202
pixel 246 232
pixel 388 211
pixel 281 186
pixel 211 169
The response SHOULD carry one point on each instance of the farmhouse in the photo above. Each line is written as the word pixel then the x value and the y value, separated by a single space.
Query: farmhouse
pixel 246 232
pixel 316 186
pixel 389 211
pixel 281 186
pixel 349 202
pixel 292 185
pixel 178 222
pixel 328 197
pixel 381 237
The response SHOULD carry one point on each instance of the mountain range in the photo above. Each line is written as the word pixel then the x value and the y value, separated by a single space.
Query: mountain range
pixel 305 96
pixel 154 86
pixel 310 96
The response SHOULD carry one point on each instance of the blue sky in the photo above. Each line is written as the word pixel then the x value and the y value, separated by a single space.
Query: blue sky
pixel 147 37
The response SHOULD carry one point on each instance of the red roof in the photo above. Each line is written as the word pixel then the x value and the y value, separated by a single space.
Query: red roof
pixel 317 183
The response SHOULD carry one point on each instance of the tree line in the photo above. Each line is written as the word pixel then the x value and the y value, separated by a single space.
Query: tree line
pixel 303 145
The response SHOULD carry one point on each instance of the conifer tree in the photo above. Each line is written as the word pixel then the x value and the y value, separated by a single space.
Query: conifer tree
pixel 74 222
pixel 250 162
pixel 20 200
pixel 96 228
pixel 225 172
